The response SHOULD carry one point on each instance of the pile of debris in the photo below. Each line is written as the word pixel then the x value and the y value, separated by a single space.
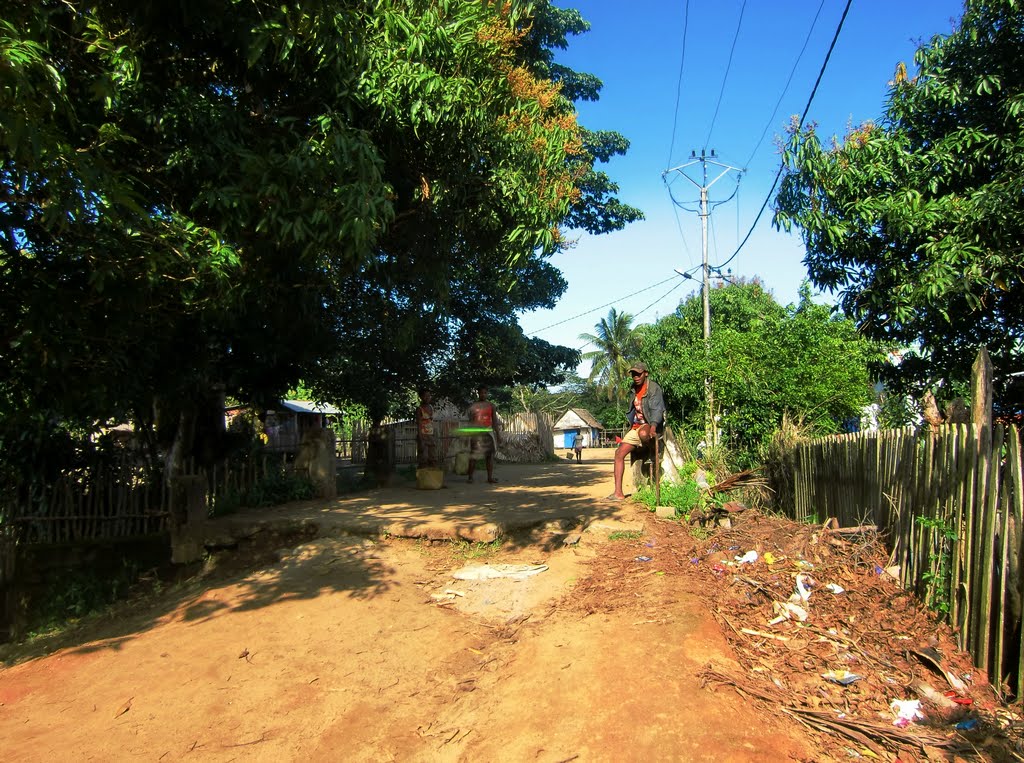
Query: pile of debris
pixel 521 449
pixel 819 621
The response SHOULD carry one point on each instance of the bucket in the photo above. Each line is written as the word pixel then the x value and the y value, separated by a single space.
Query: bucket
pixel 429 479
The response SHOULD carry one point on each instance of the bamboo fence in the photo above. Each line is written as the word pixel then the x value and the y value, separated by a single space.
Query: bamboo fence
pixel 950 503
pixel 81 508
pixel 530 433
pixel 115 502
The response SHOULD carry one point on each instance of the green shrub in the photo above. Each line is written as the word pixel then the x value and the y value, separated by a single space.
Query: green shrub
pixel 279 487
pixel 684 496
pixel 275 488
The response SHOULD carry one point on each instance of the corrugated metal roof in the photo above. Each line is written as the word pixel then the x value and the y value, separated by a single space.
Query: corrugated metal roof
pixel 304 406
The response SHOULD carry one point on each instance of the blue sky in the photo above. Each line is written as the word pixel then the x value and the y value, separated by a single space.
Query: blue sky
pixel 636 49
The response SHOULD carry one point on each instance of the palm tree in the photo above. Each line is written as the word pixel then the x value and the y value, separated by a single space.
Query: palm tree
pixel 616 350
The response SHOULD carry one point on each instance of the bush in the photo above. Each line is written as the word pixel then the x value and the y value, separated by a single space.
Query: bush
pixel 275 488
pixel 684 496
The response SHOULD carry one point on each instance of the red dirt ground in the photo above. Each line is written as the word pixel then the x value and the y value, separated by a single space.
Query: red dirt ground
pixel 349 648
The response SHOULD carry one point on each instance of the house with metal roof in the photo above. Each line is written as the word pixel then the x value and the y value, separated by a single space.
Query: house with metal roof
pixel 288 421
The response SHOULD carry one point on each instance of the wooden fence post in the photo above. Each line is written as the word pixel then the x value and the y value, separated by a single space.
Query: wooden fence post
pixel 981 397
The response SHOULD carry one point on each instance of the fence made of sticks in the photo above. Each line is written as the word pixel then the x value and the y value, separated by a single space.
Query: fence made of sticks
pixel 525 437
pixel 949 501
pixel 98 504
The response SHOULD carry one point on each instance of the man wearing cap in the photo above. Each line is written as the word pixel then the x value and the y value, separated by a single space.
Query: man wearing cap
pixel 646 416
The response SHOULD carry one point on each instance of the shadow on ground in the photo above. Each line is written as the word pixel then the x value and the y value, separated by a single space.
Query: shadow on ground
pixel 303 550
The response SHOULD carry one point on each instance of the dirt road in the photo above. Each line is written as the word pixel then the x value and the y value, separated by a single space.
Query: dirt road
pixel 357 648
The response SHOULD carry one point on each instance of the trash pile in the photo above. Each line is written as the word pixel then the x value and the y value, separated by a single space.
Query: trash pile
pixel 826 634
pixel 521 449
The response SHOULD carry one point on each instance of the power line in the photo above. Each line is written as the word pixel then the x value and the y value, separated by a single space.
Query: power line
pixel 679 226
pixel 799 126
pixel 608 304
pixel 679 84
pixel 637 315
pixel 789 81
pixel 725 77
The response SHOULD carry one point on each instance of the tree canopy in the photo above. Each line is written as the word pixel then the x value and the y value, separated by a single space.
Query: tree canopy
pixel 917 221
pixel 237 194
pixel 763 360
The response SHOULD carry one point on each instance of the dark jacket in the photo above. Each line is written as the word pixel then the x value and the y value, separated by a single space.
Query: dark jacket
pixel 653 406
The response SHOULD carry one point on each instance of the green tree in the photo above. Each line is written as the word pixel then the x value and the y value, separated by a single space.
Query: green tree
pixel 764 360
pixel 232 196
pixel 597 208
pixel 616 349
pixel 918 221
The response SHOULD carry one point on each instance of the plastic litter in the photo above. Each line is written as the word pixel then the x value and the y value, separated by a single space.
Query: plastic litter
pixel 748 558
pixel 833 588
pixel 642 559
pixel 958 699
pixel 770 558
pixel 933 659
pixel 492 571
pixel 841 677
pixel 906 711
pixel 967 724
pixel 892 572
pixel 804 584
pixel 787 611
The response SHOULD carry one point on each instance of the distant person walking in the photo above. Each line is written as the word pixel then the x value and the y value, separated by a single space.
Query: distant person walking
pixel 483 415
pixel 577 447
pixel 646 417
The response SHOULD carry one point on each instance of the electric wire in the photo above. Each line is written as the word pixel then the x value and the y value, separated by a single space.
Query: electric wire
pixel 785 89
pixel 799 126
pixel 679 83
pixel 613 302
pixel 679 226
pixel 725 77
pixel 644 310
pixel 637 315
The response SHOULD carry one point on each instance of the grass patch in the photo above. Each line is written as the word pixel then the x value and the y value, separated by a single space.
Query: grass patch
pixel 701 533
pixel 625 535
pixel 683 497
pixel 464 549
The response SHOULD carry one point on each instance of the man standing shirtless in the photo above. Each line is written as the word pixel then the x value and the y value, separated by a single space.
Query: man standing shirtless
pixel 483 415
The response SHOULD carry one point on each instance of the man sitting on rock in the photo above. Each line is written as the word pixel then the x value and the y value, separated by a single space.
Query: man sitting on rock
pixel 646 416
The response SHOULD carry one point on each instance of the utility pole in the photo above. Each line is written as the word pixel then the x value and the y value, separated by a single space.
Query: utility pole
pixel 711 430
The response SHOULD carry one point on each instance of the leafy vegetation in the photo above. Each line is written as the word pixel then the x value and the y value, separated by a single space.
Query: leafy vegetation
pixel 464 549
pixel 938 577
pixel 916 220
pixel 277 487
pixel 615 350
pixel 764 360
pixel 189 215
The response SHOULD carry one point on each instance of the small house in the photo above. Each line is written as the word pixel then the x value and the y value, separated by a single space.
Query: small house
pixel 288 423
pixel 577 422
